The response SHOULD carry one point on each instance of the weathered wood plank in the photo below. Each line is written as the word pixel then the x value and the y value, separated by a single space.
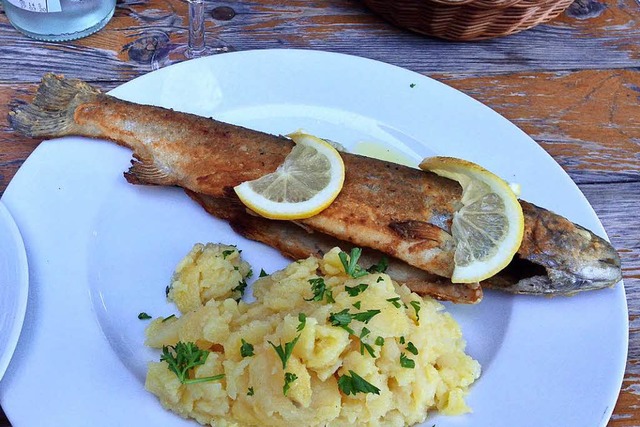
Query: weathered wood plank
pixel 144 31
pixel 589 121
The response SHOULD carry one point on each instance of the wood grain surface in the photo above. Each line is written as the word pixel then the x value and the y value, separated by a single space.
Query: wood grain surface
pixel 572 84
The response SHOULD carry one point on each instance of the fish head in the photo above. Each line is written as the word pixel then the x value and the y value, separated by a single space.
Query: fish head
pixel 574 259
pixel 595 266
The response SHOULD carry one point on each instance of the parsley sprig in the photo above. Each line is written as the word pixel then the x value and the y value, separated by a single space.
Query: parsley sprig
pixel 416 307
pixel 405 362
pixel 246 349
pixel 365 346
pixel 395 301
pixel 343 318
pixel 242 286
pixel 354 291
pixel 380 267
pixel 356 384
pixel 284 352
pixel 320 291
pixel 183 357
pixel 350 263
pixel 302 318
pixel 289 378
pixel 411 348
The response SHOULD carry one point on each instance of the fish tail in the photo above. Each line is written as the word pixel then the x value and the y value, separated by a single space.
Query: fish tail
pixel 51 113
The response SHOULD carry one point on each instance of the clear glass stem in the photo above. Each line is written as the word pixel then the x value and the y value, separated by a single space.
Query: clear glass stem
pixel 196 28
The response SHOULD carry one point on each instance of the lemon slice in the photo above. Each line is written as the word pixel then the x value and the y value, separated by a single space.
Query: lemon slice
pixel 310 178
pixel 488 228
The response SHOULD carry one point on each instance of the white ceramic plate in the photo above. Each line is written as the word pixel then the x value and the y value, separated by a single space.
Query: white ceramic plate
pixel 14 286
pixel 102 251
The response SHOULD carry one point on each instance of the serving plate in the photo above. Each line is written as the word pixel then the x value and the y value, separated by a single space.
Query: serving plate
pixel 102 251
pixel 14 286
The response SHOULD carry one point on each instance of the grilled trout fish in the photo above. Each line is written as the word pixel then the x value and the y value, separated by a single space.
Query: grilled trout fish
pixel 400 211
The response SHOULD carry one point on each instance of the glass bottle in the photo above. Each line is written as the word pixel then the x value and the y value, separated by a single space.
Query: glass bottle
pixel 59 20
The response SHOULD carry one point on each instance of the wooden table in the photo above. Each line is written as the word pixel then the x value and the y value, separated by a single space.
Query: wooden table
pixel 572 84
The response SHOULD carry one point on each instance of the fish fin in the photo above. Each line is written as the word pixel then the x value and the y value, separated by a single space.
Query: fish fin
pixel 225 208
pixel 443 290
pixel 418 230
pixel 145 172
pixel 51 112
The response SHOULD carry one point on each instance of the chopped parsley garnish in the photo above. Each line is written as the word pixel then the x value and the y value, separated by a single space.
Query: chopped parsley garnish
pixel 365 316
pixel 329 296
pixel 143 316
pixel 380 279
pixel 289 378
pixel 412 348
pixel 167 318
pixel 285 352
pixel 364 346
pixel 250 392
pixel 405 362
pixel 395 302
pixel 226 253
pixel 416 307
pixel 318 287
pixel 354 291
pixel 380 341
pixel 249 274
pixel 343 318
pixel 183 357
pixel 380 267
pixel 350 265
pixel 263 273
pixel 356 384
pixel 303 321
pixel 246 349
pixel 357 304
pixel 242 286
pixel 402 340
pixel 365 331
pixel 320 291
pixel 412 85
pixel 166 290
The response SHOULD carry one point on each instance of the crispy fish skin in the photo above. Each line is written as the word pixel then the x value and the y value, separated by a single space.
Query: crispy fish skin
pixel 296 242
pixel 401 211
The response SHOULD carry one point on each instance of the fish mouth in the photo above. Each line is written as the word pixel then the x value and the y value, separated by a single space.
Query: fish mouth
pixel 599 274
pixel 526 277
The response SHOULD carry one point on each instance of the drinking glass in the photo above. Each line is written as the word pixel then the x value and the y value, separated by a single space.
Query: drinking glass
pixel 197 46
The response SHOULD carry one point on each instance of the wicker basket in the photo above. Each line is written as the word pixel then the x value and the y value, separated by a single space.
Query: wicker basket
pixel 467 19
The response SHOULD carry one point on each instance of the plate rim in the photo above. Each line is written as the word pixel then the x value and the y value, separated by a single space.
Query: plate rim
pixel 621 284
pixel 21 283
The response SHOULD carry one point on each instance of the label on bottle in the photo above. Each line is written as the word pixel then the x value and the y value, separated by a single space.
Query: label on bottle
pixel 42 6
